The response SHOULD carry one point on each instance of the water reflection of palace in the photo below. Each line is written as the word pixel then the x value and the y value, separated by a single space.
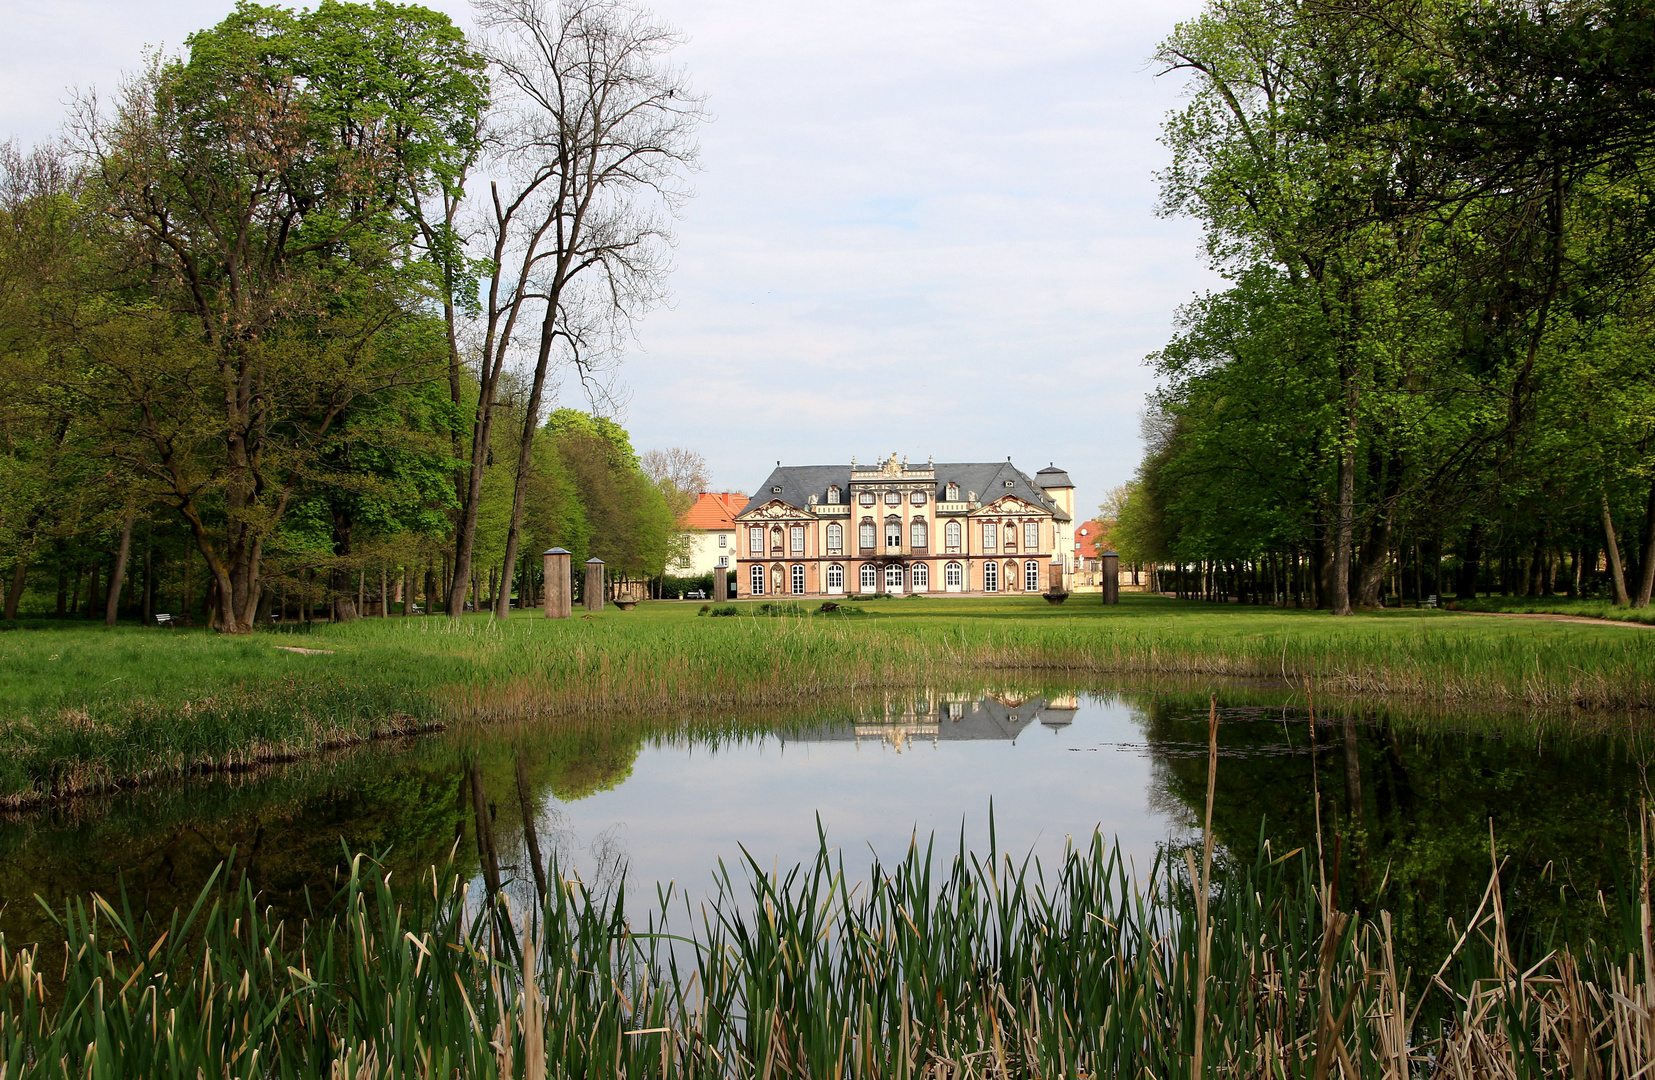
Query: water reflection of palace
pixel 938 717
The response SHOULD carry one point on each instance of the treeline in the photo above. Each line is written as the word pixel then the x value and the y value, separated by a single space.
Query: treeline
pixel 1433 371
pixel 262 356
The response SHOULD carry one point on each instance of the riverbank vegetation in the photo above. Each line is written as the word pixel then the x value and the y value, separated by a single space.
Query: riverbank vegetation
pixel 970 965
pixel 88 708
pixel 1430 372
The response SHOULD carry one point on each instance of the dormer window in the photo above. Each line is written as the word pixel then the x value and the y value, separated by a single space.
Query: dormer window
pixel 833 495
pixel 953 493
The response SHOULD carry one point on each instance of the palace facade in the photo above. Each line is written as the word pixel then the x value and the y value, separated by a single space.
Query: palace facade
pixel 964 528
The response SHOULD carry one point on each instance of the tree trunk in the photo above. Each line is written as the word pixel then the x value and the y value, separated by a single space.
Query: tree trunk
pixel 1611 546
pixel 487 854
pixel 63 591
pixel 92 591
pixel 531 836
pixel 1376 551
pixel 1471 553
pixel 14 594
pixel 1646 563
pixel 117 575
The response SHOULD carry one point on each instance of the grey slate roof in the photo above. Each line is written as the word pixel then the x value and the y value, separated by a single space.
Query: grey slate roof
pixel 1053 477
pixel 987 479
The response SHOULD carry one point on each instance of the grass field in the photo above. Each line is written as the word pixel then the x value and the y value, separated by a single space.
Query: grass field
pixel 86 707
pixel 1560 605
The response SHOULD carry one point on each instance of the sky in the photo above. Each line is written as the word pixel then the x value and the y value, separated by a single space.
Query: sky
pixel 923 227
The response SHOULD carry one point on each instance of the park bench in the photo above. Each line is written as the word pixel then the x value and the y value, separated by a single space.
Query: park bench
pixel 1429 601
pixel 162 618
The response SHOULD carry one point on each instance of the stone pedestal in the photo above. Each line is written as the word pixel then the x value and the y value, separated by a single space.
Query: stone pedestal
pixel 592 593
pixel 559 586
pixel 1111 572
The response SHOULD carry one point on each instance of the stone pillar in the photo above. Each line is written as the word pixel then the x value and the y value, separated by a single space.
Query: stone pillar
pixel 1111 574
pixel 559 586
pixel 721 583
pixel 592 594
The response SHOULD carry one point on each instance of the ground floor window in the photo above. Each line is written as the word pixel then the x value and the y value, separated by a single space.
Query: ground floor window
pixel 799 580
pixel 893 577
pixel 758 580
pixel 870 577
pixel 836 578
pixel 951 576
pixel 991 577
pixel 921 576
pixel 1031 576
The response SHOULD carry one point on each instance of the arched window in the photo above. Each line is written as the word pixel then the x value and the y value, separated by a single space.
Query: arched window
pixel 951 533
pixel 917 535
pixel 835 538
pixel 870 577
pixel 953 577
pixel 893 498
pixel 866 498
pixel 868 536
pixel 758 580
pixel 1031 576
pixel 799 579
pixel 893 577
pixel 917 498
pixel 952 494
pixel 991 536
pixel 1031 536
pixel 836 578
pixel 755 540
pixel 893 532
pixel 991 577
pixel 920 576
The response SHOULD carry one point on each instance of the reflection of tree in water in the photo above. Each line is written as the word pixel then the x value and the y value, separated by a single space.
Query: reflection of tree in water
pixel 289 830
pixel 1407 808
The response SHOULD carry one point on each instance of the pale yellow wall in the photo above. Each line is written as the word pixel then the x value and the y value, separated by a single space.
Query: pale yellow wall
pixel 704 553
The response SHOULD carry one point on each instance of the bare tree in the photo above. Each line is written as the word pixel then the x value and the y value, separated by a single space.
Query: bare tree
pixel 679 472
pixel 591 137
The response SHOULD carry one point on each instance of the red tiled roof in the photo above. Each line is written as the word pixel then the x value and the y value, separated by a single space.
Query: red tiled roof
pixel 1088 534
pixel 714 510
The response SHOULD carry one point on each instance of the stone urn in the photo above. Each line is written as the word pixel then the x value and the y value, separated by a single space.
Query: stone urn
pixel 1055 598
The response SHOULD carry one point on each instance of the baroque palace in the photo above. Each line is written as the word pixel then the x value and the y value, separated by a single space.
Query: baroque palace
pixel 891 527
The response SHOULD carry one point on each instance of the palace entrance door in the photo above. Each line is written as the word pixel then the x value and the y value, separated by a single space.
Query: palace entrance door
pixel 893 578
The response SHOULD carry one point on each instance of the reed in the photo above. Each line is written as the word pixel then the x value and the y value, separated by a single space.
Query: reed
pixel 967 965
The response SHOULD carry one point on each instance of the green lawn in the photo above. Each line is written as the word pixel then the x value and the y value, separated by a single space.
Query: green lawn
pixel 1560 605
pixel 86 706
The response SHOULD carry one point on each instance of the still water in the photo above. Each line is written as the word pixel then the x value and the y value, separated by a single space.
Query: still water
pixel 1406 805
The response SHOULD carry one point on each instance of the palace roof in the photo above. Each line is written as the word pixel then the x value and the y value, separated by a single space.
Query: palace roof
pixel 713 511
pixel 795 484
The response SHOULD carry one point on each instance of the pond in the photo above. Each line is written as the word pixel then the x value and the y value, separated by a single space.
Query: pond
pixel 1407 805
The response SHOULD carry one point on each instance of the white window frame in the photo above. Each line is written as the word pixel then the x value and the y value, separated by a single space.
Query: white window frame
pixel 835 538
pixel 991 577
pixel 796 539
pixel 952 493
pixel 897 525
pixel 991 536
pixel 1031 576
pixel 894 570
pixel 866 498
pixel 953 576
pixel 951 535
pixel 893 498
pixel 868 578
pixel 755 540
pixel 833 495
pixel 723 540
pixel 724 561
pixel 797 577
pixel 868 532
pixel 917 498
pixel 919 534
pixel 836 579
pixel 919 577
pixel 755 580
pixel 1031 536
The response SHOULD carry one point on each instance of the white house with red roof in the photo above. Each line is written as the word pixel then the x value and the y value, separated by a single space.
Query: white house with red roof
pixel 711 526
